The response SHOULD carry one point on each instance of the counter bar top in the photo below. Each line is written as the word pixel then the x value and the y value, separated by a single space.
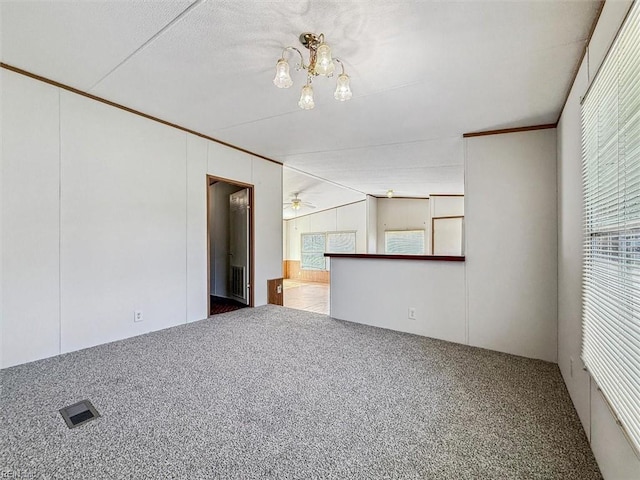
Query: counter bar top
pixel 445 258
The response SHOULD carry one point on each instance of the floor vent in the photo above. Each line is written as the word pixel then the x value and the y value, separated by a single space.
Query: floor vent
pixel 237 282
pixel 79 413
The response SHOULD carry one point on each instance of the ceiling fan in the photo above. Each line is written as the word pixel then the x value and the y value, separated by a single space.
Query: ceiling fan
pixel 297 203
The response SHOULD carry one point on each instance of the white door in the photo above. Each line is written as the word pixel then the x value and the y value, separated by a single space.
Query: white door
pixel 239 246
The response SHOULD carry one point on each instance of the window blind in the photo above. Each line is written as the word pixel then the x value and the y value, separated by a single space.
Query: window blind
pixel 314 246
pixel 312 251
pixel 611 185
pixel 404 242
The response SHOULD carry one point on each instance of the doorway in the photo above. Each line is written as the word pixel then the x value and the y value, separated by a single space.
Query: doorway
pixel 230 245
pixel 306 269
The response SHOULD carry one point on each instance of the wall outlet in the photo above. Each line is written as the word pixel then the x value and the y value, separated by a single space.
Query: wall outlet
pixel 412 313
pixel 137 316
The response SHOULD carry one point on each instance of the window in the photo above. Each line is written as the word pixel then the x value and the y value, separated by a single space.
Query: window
pixel 611 270
pixel 314 246
pixel 312 252
pixel 404 242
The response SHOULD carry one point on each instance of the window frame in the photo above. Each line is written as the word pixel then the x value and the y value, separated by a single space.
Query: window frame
pixel 320 253
pixel 325 250
pixel 611 250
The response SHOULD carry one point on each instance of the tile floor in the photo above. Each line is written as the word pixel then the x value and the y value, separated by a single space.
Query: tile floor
pixel 309 296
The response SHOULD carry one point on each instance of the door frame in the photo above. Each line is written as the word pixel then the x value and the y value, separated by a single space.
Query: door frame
pixel 212 179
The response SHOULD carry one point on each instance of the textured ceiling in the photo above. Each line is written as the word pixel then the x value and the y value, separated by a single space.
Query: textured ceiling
pixel 78 43
pixel 423 73
pixel 319 193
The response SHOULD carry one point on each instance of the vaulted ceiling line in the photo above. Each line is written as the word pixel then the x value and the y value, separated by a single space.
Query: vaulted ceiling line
pixel 368 147
pixel 317 177
pixel 152 39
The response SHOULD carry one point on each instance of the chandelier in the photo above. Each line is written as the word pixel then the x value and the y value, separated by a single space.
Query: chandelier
pixel 320 63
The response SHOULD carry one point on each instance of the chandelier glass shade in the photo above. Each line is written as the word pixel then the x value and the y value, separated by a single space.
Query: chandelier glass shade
pixel 283 77
pixel 306 98
pixel 343 90
pixel 320 63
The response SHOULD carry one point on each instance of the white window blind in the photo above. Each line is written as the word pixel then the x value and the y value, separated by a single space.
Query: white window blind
pixel 611 271
pixel 312 251
pixel 314 246
pixel 404 242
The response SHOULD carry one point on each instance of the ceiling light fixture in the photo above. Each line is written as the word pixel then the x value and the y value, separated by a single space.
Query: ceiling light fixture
pixel 320 63
pixel 297 203
pixel 389 193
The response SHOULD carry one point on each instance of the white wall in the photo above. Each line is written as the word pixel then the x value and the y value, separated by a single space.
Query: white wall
pixel 285 240
pixel 30 220
pixel 104 213
pixel 614 454
pixel 447 237
pixel 1 206
pixel 404 214
pixel 266 178
pixel 120 206
pixel 504 297
pixel 511 242
pixel 447 205
pixel 196 228
pixel 372 224
pixel 352 217
pixel 379 292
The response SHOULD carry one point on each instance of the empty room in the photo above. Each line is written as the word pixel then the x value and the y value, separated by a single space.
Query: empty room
pixel 320 239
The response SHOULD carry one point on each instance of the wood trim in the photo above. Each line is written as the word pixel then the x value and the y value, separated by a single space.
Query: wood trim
pixel 420 198
pixel 446 258
pixel 230 181
pixel 447 195
pixel 294 272
pixel 323 210
pixel 273 296
pixel 433 228
pixel 566 98
pixel 510 130
pixel 252 248
pixel 129 110
pixel 584 53
pixel 384 197
pixel 208 200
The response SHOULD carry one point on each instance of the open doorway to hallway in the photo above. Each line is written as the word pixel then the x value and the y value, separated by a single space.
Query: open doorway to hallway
pixel 230 246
